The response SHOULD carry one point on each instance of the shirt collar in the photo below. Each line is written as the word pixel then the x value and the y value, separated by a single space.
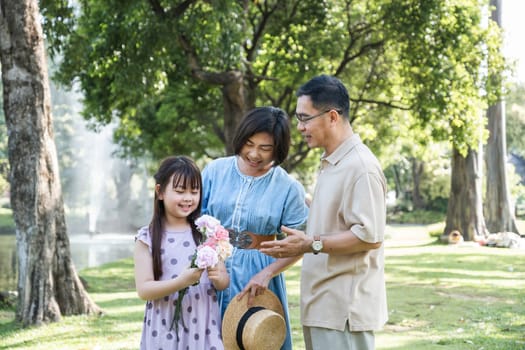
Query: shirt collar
pixel 342 149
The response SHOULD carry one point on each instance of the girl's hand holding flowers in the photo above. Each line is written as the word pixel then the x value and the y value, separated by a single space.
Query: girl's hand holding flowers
pixel 209 255
pixel 206 256
pixel 216 275
pixel 192 275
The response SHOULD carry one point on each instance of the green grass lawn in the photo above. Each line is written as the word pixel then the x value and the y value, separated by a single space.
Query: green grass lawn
pixel 439 297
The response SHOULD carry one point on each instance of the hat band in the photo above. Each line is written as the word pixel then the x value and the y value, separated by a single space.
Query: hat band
pixel 242 323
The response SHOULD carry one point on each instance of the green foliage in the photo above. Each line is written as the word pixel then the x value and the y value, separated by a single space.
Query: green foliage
pixel 139 78
pixel 8 302
pixel 158 67
pixel 442 50
pixel 58 22
pixel 180 122
pixel 435 182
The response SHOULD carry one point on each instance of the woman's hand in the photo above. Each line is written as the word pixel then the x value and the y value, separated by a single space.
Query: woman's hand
pixel 257 285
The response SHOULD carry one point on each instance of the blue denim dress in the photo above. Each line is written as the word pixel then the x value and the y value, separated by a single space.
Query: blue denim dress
pixel 256 204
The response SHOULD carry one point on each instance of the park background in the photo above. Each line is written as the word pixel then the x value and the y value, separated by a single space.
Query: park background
pixel 106 194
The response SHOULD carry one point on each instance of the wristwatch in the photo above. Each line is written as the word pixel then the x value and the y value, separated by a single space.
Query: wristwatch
pixel 317 245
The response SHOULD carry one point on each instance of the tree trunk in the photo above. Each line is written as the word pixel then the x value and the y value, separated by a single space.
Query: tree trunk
pixel 238 95
pixel 397 181
pixel 498 210
pixel 238 91
pixel 464 211
pixel 238 99
pixel 417 170
pixel 48 285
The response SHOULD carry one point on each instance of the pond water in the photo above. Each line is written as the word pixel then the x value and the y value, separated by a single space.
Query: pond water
pixel 86 251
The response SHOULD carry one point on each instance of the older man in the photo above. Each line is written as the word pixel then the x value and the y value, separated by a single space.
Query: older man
pixel 343 293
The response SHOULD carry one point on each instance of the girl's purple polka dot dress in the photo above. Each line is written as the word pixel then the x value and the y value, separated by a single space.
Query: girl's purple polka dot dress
pixel 200 309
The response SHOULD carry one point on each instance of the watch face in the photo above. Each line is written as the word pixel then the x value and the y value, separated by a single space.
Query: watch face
pixel 317 246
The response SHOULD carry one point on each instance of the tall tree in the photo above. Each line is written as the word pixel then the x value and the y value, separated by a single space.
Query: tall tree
pixel 499 215
pixel 48 285
pixel 462 112
pixel 465 210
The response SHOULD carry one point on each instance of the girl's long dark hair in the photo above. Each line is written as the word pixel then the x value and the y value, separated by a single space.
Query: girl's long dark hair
pixel 181 171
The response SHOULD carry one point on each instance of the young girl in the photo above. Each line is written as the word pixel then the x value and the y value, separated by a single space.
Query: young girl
pixel 163 253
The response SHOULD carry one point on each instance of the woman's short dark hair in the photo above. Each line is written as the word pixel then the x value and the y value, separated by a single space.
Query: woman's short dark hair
pixel 271 120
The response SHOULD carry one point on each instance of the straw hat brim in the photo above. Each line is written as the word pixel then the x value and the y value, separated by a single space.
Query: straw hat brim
pixel 237 308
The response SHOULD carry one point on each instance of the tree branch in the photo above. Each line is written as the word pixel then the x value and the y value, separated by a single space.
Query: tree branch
pixel 390 104
pixel 266 13
pixel 365 85
pixel 297 157
pixel 172 13
pixel 357 33
pixel 157 8
pixel 222 78
pixel 180 9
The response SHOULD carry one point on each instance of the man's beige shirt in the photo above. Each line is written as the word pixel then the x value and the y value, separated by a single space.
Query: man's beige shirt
pixel 350 194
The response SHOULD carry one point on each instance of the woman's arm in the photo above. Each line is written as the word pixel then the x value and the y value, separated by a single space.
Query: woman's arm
pixel 259 282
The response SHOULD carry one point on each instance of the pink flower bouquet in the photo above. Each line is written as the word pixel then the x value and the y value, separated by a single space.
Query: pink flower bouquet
pixel 215 247
pixel 216 237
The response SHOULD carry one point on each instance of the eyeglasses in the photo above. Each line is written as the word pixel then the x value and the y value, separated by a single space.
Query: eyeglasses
pixel 303 118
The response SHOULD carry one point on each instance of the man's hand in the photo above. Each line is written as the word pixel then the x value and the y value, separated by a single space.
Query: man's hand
pixel 295 244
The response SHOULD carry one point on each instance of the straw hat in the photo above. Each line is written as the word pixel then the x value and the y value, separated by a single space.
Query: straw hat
pixel 260 327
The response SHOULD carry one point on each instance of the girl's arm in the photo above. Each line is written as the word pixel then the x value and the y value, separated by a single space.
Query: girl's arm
pixel 147 287
pixel 219 276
